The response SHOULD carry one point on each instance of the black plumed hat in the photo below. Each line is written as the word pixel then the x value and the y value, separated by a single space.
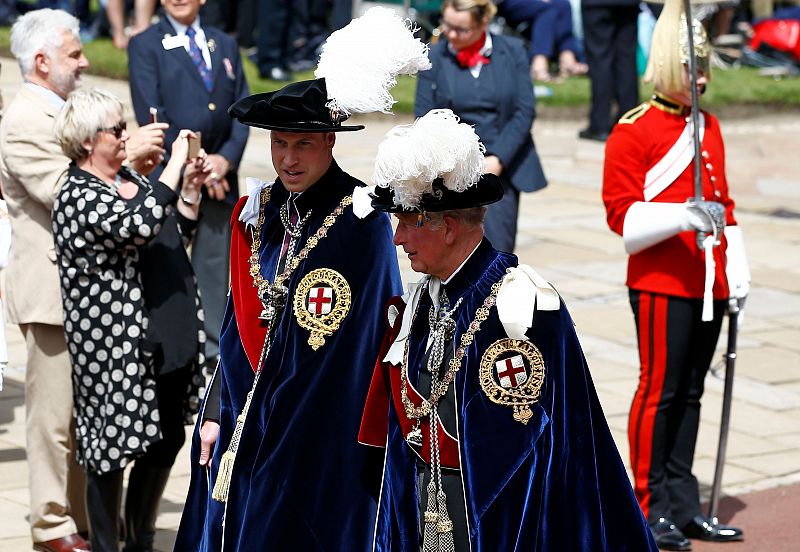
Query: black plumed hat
pixel 297 107
pixel 488 190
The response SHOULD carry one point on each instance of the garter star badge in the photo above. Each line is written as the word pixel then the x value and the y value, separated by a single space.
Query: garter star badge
pixel 512 374
pixel 321 302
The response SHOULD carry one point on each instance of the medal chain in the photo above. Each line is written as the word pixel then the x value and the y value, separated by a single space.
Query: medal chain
pixel 439 387
pixel 293 229
pixel 269 295
pixel 261 283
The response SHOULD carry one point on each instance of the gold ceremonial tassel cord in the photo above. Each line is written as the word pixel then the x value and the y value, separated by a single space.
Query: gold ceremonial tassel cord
pixel 438 530
pixel 273 299
pixel 438 536
pixel 222 484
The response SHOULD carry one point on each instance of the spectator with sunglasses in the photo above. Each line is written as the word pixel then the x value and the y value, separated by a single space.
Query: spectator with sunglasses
pixel 130 404
pixel 47 47
pixel 484 79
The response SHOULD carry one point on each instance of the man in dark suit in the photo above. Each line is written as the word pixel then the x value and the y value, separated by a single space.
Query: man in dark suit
pixel 191 74
pixel 491 91
pixel 609 37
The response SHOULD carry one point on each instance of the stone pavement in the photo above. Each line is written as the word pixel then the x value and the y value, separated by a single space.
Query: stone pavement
pixel 563 234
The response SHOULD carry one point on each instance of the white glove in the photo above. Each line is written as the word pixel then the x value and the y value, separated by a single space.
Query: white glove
pixel 697 218
pixel 649 223
pixel 737 269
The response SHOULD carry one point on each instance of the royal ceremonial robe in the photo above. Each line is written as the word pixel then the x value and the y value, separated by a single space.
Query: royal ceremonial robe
pixel 555 482
pixel 300 480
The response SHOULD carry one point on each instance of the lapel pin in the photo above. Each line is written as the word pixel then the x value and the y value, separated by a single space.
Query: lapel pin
pixel 212 45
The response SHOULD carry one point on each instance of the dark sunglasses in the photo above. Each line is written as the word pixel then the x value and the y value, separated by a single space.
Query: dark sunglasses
pixel 116 130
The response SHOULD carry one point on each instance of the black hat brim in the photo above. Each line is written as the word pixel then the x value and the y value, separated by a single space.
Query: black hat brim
pixel 303 128
pixel 488 190
pixel 297 107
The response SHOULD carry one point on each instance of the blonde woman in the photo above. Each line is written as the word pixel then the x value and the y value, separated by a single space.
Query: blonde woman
pixel 104 218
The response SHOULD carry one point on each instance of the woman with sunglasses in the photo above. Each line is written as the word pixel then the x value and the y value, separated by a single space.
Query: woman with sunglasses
pixel 119 245
pixel 483 78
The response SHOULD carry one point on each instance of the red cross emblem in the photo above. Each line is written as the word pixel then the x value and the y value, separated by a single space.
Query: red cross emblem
pixel 511 371
pixel 320 300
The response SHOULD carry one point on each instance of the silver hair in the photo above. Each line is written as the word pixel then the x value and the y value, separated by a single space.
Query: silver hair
pixel 40 31
pixel 84 114
pixel 471 218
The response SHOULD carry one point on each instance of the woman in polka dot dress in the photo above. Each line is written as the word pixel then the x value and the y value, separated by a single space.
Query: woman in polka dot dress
pixel 103 218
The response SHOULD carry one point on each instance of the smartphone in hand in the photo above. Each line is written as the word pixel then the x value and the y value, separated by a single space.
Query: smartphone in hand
pixel 194 145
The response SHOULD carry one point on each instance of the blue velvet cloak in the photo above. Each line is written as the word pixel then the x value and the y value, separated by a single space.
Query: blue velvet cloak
pixel 300 481
pixel 554 484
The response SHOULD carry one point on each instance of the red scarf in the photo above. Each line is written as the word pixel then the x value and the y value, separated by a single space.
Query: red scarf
pixel 471 55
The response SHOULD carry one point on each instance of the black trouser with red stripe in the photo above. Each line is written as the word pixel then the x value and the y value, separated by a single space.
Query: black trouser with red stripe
pixel 675 350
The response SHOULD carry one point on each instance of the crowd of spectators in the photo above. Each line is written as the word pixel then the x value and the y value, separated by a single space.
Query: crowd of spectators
pixel 283 37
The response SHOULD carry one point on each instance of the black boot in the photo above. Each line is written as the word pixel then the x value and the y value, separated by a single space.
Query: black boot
pixel 103 497
pixel 145 487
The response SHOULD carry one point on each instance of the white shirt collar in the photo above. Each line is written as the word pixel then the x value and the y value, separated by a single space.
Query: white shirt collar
pixel 180 28
pixel 487 46
pixel 46 94
pixel 199 37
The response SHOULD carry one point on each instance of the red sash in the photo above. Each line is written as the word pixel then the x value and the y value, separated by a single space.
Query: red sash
pixel 246 304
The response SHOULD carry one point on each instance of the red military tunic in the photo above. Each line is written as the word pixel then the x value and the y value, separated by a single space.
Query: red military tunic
pixel 643 137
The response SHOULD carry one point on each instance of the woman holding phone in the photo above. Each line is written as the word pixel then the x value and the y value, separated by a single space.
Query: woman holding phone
pixel 134 382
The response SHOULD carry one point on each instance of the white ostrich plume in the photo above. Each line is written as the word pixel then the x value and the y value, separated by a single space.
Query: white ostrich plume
pixel 361 61
pixel 412 156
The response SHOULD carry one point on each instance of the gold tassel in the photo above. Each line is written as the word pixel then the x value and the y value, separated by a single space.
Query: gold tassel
pixel 223 483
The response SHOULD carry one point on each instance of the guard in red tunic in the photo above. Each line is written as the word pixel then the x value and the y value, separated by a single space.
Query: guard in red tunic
pixel 678 289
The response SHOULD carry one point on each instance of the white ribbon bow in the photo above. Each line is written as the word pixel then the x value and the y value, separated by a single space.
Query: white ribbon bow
pixel 250 211
pixel 522 292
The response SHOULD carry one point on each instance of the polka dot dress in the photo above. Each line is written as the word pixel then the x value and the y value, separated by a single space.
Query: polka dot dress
pixel 97 234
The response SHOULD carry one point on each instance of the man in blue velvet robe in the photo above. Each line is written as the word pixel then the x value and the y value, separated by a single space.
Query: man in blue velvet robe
pixel 483 350
pixel 295 476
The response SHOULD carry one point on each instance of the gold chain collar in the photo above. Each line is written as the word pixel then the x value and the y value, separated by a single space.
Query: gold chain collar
pixel 221 489
pixel 259 282
pixel 439 390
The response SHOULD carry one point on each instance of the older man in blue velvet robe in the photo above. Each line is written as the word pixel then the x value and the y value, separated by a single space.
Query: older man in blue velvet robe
pixel 311 267
pixel 483 350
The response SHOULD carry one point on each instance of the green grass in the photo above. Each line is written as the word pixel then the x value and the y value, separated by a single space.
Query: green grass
pixel 736 87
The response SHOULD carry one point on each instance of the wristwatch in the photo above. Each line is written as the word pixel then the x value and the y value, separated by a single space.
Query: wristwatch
pixel 189 201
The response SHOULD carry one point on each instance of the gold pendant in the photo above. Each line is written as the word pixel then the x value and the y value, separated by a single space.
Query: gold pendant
pixel 512 374
pixel 321 301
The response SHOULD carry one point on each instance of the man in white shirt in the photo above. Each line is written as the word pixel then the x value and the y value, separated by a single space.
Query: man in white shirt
pixel 48 48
